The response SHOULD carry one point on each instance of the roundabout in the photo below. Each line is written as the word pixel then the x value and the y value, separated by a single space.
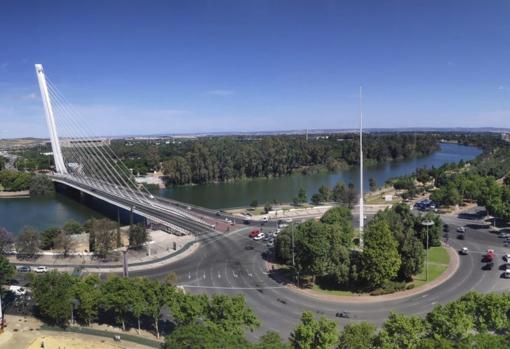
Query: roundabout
pixel 232 263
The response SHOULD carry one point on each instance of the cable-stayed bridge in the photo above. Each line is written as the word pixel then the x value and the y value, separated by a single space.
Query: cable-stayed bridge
pixel 88 164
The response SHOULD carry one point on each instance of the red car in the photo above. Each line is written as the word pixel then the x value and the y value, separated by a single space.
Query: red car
pixel 254 233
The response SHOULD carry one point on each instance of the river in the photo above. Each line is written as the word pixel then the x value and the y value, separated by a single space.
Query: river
pixel 43 212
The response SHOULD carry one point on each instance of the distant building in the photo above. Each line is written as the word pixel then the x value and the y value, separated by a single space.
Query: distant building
pixel 71 143
pixel 505 137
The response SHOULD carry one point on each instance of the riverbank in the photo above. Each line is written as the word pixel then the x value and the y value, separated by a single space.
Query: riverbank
pixel 14 194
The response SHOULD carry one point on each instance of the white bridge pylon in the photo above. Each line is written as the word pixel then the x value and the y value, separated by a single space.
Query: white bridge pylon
pixel 50 120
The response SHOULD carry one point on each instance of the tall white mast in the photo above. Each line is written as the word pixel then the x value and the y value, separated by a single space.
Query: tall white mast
pixel 361 208
pixel 50 120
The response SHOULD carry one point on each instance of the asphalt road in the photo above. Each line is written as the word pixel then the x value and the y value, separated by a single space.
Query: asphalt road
pixel 228 264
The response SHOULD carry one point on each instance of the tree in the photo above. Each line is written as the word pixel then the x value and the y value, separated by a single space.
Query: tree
pixel 339 194
pixel 380 258
pixel 451 321
pixel 267 207
pixel 41 185
pixel 316 199
pixel 138 301
pixel 325 193
pixel 104 236
pixel 403 331
pixel 271 340
pixel 154 300
pixel 117 294
pixel 254 204
pixel 72 227
pixel 138 235
pixel 7 271
pixel 199 335
pixel 350 195
pixel 357 336
pixel 372 184
pixel 65 242
pixel 53 294
pixel 48 237
pixel 231 314
pixel 27 243
pixel 313 334
pixel 6 240
pixel 301 197
pixel 412 257
pixel 87 293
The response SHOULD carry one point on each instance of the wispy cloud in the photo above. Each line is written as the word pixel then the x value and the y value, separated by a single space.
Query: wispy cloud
pixel 220 92
pixel 501 88
pixel 27 97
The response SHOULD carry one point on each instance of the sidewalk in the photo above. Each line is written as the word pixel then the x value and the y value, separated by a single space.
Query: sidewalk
pixel 158 252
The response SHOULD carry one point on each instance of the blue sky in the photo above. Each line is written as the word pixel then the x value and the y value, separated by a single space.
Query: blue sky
pixel 139 67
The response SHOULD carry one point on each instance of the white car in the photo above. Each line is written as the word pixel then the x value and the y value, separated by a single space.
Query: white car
pixel 270 243
pixel 41 269
pixel 461 230
pixel 503 235
pixel 260 236
pixel 506 274
pixel 506 257
pixel 464 251
pixel 18 290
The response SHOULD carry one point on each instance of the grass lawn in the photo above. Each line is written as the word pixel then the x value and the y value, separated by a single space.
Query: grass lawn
pixel 438 263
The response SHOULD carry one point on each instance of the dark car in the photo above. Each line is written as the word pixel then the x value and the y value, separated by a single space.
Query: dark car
pixel 343 314
pixel 461 237
pixel 488 266
pixel 446 228
pixel 24 269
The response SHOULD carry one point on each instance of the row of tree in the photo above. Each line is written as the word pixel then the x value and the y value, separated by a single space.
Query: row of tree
pixel 211 159
pixel 61 298
pixel 15 181
pixel 394 240
pixel 104 236
pixel 476 321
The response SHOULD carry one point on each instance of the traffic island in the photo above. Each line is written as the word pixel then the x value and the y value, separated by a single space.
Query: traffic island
pixel 443 263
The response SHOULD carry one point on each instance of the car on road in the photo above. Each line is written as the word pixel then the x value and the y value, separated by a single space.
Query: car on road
pixel 343 314
pixel 248 247
pixel 17 290
pixel 268 236
pixel 464 251
pixel 24 269
pixel 229 221
pixel 461 230
pixel 461 236
pixel 488 266
pixel 503 235
pixel 254 233
pixel 489 256
pixel 270 243
pixel 506 274
pixel 41 269
pixel 259 237
pixel 506 257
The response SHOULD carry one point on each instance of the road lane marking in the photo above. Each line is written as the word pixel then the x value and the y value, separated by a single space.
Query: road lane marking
pixel 234 288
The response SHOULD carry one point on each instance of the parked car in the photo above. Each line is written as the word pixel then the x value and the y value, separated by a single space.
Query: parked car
pixel 503 235
pixel 259 237
pixel 506 274
pixel 464 251
pixel 18 290
pixel 506 257
pixel 461 230
pixel 24 269
pixel 254 233
pixel 270 243
pixel 41 269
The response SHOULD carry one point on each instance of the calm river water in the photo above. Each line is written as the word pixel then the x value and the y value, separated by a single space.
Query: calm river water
pixel 54 211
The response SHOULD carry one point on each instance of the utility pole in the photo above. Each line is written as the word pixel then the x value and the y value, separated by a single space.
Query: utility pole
pixel 427 224
pixel 361 203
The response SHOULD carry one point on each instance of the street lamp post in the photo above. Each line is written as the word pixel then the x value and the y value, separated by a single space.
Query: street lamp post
pixel 427 223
